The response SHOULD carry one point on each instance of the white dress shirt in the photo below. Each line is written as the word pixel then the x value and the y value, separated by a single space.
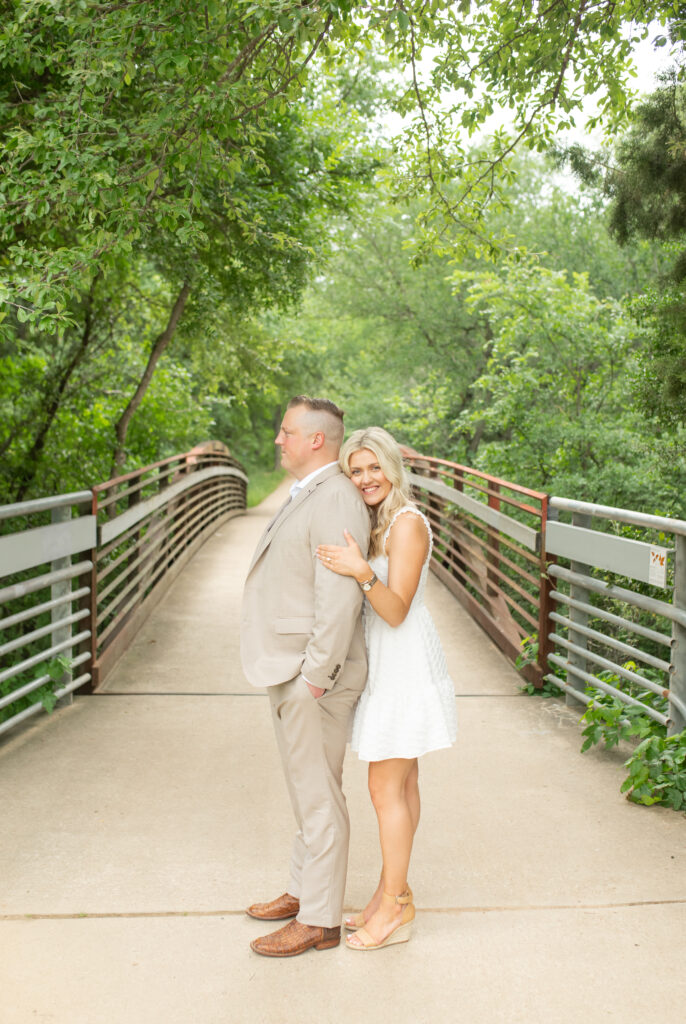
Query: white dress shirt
pixel 298 485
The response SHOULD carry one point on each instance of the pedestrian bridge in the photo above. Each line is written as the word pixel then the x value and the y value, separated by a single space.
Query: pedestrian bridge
pixel 142 817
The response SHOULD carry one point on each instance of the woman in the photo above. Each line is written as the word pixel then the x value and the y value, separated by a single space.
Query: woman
pixel 408 705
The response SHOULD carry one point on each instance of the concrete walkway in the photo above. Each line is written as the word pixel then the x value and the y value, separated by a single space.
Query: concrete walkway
pixel 137 824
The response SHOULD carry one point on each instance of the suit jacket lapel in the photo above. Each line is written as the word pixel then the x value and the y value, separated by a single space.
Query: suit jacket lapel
pixel 287 510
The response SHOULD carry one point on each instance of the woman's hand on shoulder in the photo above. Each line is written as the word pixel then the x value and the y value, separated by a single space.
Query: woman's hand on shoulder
pixel 346 561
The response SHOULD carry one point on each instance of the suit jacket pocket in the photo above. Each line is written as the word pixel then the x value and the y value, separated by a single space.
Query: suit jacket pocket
pixel 297 624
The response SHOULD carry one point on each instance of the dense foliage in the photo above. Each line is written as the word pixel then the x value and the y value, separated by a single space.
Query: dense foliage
pixel 201 211
pixel 524 367
pixel 644 178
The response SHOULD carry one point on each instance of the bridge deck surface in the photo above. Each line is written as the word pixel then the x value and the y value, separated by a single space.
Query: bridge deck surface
pixel 137 824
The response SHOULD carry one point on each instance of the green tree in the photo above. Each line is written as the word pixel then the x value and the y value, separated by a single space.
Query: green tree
pixel 540 63
pixel 398 343
pixel 644 178
pixel 553 397
pixel 192 144
pixel 229 225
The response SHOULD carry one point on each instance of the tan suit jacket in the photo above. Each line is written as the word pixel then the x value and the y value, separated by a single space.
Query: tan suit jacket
pixel 297 616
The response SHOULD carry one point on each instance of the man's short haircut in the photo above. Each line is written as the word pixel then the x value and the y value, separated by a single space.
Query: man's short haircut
pixel 323 415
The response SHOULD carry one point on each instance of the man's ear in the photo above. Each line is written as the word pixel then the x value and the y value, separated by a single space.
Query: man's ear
pixel 318 441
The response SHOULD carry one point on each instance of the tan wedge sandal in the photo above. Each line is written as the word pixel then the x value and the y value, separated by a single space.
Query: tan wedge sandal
pixel 357 921
pixel 400 933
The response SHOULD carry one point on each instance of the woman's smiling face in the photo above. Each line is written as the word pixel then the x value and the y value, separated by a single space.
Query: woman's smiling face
pixel 368 476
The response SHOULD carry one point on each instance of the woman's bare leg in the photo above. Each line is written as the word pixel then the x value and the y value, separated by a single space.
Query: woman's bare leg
pixel 397 809
pixel 412 794
pixel 414 806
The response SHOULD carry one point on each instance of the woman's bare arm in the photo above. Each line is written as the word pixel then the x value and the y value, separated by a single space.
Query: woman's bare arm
pixel 406 547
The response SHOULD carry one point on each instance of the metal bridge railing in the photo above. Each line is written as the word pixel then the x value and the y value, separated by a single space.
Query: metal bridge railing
pixel 607 605
pixel 79 573
pixel 489 549
pixel 45 622
pixel 620 623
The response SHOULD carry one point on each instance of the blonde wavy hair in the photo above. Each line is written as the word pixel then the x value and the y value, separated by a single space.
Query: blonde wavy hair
pixel 385 447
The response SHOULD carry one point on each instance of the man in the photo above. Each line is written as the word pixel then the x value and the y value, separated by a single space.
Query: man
pixel 302 638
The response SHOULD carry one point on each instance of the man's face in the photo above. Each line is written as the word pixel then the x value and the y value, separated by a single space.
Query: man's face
pixel 295 442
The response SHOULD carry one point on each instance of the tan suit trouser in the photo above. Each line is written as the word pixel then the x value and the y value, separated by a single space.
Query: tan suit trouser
pixel 312 734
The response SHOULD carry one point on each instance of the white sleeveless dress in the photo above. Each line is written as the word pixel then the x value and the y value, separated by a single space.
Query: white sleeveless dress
pixel 408 705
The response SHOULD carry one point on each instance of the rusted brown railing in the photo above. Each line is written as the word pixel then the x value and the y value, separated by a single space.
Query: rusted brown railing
pixel 489 549
pixel 79 573
pixel 150 522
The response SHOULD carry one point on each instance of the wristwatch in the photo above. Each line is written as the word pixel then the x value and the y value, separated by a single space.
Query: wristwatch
pixel 368 584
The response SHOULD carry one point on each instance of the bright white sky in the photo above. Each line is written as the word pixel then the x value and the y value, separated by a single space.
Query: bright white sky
pixel 649 61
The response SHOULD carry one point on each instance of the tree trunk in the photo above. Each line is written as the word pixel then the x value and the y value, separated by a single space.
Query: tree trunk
pixel 161 343
pixel 475 439
pixel 53 400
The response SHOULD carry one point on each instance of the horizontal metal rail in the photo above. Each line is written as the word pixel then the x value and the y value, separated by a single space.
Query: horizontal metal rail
pixel 46 655
pixel 33 709
pixel 471 544
pixel 486 591
pixel 610 641
pixel 35 684
pixel 611 666
pixel 457 471
pixel 38 634
pixel 621 515
pixel 29 508
pixel 39 609
pixel 623 555
pixel 41 545
pixel 156 531
pixel 584 698
pixel 608 688
pixel 648 604
pixel 146 507
pixel 43 612
pixel 498 520
pixel 43 582
pixel 615 620
pixel 470 541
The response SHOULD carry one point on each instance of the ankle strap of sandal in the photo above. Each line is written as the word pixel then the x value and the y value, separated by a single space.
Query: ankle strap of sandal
pixel 404 897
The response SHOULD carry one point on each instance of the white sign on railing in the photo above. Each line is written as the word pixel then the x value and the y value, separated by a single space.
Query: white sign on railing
pixel 623 555
pixel 657 570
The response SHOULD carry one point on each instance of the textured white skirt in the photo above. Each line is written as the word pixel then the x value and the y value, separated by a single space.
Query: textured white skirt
pixel 408 705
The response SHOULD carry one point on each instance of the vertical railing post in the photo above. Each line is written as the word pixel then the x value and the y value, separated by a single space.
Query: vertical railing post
pixel 545 603
pixel 62 589
pixel 493 547
pixel 92 582
pixel 158 565
pixel 458 484
pixel 579 593
pixel 677 685
pixel 435 508
pixel 132 500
